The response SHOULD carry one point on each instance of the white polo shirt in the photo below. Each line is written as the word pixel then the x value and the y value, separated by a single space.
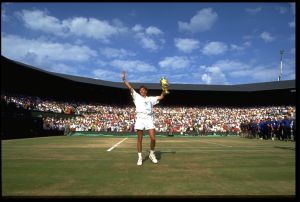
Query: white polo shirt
pixel 144 105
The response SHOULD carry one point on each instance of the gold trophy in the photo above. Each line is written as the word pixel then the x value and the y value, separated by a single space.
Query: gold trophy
pixel 164 85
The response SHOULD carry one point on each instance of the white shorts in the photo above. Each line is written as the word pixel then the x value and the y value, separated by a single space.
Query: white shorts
pixel 144 123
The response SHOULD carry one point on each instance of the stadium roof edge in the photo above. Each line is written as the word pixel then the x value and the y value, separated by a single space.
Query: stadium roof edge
pixel 273 85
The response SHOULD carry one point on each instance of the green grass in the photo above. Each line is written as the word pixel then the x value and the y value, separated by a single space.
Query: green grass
pixel 198 166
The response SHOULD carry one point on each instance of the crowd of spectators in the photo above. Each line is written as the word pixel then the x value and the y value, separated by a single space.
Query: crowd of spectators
pixel 255 122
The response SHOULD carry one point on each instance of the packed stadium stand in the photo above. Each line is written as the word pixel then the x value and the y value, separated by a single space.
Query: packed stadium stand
pixel 35 102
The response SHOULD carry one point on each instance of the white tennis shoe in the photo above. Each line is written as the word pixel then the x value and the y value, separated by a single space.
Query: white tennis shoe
pixel 153 158
pixel 140 161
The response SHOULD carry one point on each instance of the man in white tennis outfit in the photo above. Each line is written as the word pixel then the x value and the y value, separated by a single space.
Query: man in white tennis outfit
pixel 144 117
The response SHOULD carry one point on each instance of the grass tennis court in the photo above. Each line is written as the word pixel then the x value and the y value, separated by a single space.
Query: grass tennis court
pixel 188 166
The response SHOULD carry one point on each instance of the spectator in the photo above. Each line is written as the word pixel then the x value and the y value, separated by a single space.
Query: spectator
pixel 99 117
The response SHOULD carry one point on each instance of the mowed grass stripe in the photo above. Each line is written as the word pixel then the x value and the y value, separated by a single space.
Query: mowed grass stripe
pixel 80 166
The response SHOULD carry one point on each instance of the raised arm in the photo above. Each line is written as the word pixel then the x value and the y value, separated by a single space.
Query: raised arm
pixel 126 82
pixel 161 96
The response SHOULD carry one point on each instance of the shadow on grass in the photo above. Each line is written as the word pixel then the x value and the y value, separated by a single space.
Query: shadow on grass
pixel 288 148
pixel 158 154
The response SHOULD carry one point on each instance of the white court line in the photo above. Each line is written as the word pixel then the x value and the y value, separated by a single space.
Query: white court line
pixel 217 144
pixel 116 145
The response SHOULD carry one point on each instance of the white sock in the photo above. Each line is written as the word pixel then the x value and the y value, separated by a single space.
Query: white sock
pixel 140 154
pixel 151 151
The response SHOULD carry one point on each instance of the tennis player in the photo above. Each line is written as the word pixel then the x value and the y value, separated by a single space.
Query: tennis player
pixel 144 117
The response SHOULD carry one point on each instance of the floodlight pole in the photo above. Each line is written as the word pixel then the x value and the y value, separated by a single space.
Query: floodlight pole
pixel 280 68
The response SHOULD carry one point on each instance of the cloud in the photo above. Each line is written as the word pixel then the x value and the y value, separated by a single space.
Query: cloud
pixel 263 73
pixel 202 21
pixel 106 75
pixel 63 69
pixel 206 78
pixel 253 11
pixel 247 44
pixel 266 36
pixel 238 69
pixel 213 75
pixel 230 65
pixel 177 77
pixel 147 42
pixel 174 63
pixel 116 53
pixel 16 47
pixel 101 63
pixel 133 66
pixel 214 48
pixel 234 47
pixel 93 28
pixel 41 21
pixel 246 71
pixel 241 73
pixel 219 72
pixel 77 26
pixel 186 45
pixel 149 38
pixel 153 31
pixel 137 28
pixel 142 78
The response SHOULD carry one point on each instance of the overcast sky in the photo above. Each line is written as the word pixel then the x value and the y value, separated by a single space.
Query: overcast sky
pixel 196 43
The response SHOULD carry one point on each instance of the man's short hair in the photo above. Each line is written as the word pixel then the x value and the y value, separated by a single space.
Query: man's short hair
pixel 143 87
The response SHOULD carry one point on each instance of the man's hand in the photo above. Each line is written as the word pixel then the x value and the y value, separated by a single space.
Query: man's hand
pixel 123 75
pixel 126 82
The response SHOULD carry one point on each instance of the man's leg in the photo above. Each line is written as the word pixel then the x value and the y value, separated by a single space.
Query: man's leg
pixel 139 146
pixel 152 138
pixel 139 140
pixel 152 145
